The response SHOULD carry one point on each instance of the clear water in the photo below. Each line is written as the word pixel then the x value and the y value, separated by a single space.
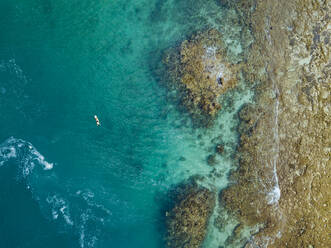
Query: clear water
pixel 66 182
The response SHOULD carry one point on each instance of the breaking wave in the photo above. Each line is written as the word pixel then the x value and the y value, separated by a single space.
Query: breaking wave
pixel 70 210
pixel 25 154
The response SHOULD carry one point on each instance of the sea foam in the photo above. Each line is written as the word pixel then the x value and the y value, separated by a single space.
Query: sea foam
pixel 24 153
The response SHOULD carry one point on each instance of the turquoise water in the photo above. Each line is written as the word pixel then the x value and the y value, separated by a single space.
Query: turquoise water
pixel 66 182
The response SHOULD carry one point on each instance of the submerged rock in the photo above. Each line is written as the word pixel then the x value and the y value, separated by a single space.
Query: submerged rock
pixel 199 70
pixel 187 220
pixel 211 159
pixel 219 148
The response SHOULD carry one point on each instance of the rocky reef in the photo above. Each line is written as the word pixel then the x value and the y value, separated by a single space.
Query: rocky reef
pixel 279 194
pixel 283 181
pixel 199 70
pixel 187 219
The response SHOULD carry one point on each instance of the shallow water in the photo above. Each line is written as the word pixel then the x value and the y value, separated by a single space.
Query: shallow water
pixel 68 183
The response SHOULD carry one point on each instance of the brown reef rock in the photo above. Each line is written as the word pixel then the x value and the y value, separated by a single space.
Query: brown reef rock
pixel 187 220
pixel 199 70
pixel 283 181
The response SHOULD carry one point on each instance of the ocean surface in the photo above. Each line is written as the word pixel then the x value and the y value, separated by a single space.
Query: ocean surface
pixel 64 182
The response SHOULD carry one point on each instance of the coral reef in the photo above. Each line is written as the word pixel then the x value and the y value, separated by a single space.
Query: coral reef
pixel 187 220
pixel 200 72
pixel 284 176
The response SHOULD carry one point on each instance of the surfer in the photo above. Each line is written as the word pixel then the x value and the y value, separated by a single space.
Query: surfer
pixel 97 120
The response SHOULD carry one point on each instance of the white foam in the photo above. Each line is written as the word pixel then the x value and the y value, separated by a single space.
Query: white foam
pixel 41 159
pixel 272 191
pixel 59 207
pixel 82 237
pixel 86 238
pixel 24 153
pixel 274 195
pixel 8 152
pixel 78 212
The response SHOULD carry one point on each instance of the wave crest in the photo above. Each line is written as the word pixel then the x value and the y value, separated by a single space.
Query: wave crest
pixel 24 153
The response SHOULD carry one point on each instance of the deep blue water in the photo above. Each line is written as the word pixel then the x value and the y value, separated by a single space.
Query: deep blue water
pixel 64 181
